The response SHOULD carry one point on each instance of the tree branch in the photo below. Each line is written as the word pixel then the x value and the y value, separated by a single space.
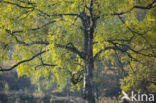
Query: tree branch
pixel 71 48
pixel 134 32
pixel 149 6
pixel 125 48
pixel 137 52
pixel 20 6
pixel 120 64
pixel 34 29
pixel 123 40
pixel 32 43
pixel 60 15
pixel 28 2
pixel 102 50
pixel 47 65
pixel 91 8
pixel 23 61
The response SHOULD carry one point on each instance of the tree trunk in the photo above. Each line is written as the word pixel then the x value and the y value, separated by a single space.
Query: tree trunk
pixel 88 60
pixel 88 81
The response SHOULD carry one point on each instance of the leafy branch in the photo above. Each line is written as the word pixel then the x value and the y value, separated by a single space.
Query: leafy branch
pixel 21 62
pixel 71 48
pixel 135 32
pixel 122 48
pixel 18 5
pixel 125 48
pixel 148 7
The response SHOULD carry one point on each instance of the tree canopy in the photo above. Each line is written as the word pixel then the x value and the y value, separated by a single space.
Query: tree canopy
pixel 61 38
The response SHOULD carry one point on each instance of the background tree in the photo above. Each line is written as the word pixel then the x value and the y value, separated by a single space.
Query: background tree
pixel 63 39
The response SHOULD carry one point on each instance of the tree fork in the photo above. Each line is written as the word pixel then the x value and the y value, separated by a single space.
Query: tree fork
pixel 88 25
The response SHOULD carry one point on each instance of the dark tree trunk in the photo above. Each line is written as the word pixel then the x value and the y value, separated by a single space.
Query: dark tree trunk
pixel 88 80
pixel 88 25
